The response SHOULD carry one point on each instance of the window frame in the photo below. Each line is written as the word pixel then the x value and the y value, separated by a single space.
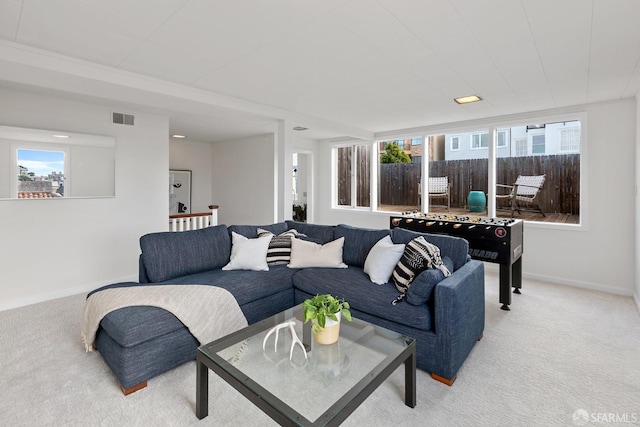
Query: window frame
pixel 535 145
pixel 507 138
pixel 353 175
pixel 519 144
pixel 34 146
pixel 479 135
pixel 572 148
pixel 451 138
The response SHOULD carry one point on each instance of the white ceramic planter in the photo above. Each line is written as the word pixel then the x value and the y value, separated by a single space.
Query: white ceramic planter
pixel 330 333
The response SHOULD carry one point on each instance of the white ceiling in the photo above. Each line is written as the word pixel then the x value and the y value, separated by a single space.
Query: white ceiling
pixel 224 69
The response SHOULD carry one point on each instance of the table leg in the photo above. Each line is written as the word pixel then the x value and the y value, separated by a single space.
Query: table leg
pixel 505 286
pixel 410 380
pixel 202 389
pixel 516 275
pixel 306 336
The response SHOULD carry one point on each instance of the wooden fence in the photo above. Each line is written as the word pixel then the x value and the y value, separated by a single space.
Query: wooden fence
pixel 398 182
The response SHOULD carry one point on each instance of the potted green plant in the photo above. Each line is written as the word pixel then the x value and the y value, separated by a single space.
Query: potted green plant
pixel 325 312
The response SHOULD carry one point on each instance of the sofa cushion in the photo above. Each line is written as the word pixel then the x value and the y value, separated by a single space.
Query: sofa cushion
pixel 133 325
pixel 354 286
pixel 315 232
pixel 245 285
pixel 248 254
pixel 423 284
pixel 251 231
pixel 455 248
pixel 358 242
pixel 308 254
pixel 382 259
pixel 173 254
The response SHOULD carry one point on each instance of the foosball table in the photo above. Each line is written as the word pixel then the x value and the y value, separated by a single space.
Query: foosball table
pixel 497 240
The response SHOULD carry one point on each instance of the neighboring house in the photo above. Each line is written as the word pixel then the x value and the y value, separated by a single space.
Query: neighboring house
pixel 520 141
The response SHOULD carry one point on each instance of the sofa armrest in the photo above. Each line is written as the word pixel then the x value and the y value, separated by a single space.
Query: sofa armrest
pixel 459 315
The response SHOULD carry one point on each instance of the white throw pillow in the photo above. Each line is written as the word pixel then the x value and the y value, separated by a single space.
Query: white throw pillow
pixel 308 254
pixel 248 254
pixel 382 259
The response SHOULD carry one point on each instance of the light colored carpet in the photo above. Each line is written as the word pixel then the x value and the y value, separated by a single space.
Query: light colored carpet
pixel 559 350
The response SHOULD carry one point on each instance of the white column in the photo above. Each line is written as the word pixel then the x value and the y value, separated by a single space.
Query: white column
pixel 214 214
pixel 283 173
pixel 424 181
pixel 491 174
pixel 375 162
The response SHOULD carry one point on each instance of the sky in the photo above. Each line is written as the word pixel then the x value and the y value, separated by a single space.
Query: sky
pixel 42 163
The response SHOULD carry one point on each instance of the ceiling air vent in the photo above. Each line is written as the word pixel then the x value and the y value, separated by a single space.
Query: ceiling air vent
pixel 123 119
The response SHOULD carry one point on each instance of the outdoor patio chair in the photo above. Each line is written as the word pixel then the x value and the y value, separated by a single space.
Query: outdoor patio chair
pixel 523 192
pixel 439 187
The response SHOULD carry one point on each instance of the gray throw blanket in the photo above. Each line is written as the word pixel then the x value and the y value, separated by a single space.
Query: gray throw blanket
pixel 208 312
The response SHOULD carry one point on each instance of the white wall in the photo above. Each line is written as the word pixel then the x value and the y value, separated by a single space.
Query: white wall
pixel 58 247
pixel 243 180
pixel 194 156
pixel 600 256
pixel 93 172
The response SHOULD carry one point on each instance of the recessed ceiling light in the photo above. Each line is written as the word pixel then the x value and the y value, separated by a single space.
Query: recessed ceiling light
pixel 178 136
pixel 61 136
pixel 467 99
pixel 300 128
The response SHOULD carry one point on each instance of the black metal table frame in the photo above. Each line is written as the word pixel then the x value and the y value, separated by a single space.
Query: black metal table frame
pixel 510 277
pixel 278 410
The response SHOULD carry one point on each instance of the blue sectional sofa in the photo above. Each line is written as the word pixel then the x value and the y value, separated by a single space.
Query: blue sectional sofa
pixel 141 342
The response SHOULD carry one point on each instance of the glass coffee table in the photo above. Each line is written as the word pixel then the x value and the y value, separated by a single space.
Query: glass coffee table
pixel 321 390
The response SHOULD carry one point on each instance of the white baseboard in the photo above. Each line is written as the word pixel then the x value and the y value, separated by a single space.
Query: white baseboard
pixel 60 293
pixel 495 268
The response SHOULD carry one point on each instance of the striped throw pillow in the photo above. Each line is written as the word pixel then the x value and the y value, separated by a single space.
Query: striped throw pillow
pixel 418 256
pixel 279 251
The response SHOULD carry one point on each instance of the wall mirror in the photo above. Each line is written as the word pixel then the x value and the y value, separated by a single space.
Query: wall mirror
pixel 49 164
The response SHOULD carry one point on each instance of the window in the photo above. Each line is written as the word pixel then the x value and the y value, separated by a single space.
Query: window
pixel 397 181
pixel 521 147
pixel 353 178
pixel 399 175
pixel 454 143
pixel 570 140
pixel 550 148
pixel 479 141
pixel 536 147
pixel 542 148
pixel 416 150
pixel 40 173
pixel 72 164
pixel 537 144
pixel 503 138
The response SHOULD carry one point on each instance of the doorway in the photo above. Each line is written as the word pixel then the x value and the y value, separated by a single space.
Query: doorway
pixel 302 180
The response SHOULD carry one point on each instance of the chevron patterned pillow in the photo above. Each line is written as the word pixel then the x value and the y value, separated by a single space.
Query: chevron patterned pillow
pixel 418 256
pixel 279 251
